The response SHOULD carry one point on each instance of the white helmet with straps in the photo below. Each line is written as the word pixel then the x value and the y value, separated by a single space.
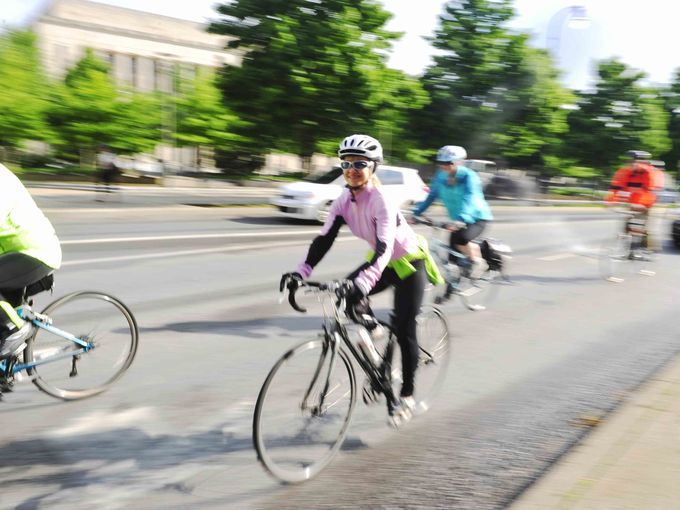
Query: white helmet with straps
pixel 361 145
pixel 451 154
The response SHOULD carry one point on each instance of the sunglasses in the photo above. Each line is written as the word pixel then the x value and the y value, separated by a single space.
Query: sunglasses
pixel 357 165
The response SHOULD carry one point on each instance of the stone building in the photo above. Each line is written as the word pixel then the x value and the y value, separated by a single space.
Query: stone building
pixel 145 50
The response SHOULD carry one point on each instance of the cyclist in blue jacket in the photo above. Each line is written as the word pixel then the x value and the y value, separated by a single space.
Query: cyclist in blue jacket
pixel 460 190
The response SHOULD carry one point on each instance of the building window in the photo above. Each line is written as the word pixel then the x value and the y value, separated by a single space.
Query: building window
pixel 60 59
pixel 123 69
pixel 145 80
pixel 165 76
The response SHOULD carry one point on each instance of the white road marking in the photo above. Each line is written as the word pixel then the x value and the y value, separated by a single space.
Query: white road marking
pixel 559 256
pixel 99 420
pixel 188 252
pixel 524 225
pixel 188 236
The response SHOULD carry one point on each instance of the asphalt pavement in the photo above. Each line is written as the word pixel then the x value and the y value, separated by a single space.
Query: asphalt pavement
pixel 625 458
pixel 630 460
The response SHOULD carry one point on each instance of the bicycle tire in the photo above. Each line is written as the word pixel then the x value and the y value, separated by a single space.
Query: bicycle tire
pixel 435 352
pixel 295 452
pixel 615 260
pixel 93 316
pixel 478 293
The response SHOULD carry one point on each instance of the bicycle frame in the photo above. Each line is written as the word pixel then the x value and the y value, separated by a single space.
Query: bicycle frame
pixel 635 226
pixel 43 322
pixel 335 335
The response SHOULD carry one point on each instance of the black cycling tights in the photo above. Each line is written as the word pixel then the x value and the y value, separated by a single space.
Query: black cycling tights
pixel 408 298
pixel 18 270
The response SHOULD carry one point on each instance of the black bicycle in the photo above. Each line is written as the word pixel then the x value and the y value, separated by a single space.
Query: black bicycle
pixel 475 290
pixel 306 403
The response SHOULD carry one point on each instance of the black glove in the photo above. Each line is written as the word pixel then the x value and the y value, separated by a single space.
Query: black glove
pixel 359 306
pixel 289 280
pixel 353 293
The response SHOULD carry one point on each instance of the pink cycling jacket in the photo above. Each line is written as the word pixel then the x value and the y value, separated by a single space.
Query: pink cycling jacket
pixel 370 216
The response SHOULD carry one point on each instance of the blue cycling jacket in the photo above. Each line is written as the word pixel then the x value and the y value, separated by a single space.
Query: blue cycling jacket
pixel 463 199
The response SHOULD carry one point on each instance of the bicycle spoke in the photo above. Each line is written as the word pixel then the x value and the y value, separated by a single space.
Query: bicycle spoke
pixel 295 437
pixel 92 317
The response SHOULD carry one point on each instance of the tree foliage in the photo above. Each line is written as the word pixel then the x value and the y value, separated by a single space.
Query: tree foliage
pixel 490 91
pixel 23 99
pixel 313 72
pixel 202 118
pixel 671 100
pixel 88 110
pixel 619 115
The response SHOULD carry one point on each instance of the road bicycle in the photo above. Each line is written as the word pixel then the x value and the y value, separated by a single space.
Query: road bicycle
pixel 627 253
pixel 79 345
pixel 475 290
pixel 306 403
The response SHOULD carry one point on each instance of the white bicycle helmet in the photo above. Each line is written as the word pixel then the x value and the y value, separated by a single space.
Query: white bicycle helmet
pixel 361 145
pixel 451 154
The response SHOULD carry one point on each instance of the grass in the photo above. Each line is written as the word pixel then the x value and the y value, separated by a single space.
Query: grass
pixel 577 192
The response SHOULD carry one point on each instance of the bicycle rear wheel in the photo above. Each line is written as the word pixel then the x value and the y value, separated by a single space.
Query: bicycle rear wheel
pixel 615 258
pixel 478 293
pixel 96 318
pixel 435 351
pixel 299 422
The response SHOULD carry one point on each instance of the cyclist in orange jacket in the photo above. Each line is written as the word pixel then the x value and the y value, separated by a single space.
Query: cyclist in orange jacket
pixel 636 184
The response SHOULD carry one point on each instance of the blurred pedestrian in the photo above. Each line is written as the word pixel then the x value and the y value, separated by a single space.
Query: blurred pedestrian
pixel 107 170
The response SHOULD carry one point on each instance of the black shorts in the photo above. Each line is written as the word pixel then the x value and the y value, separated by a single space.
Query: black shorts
pixel 17 271
pixel 464 235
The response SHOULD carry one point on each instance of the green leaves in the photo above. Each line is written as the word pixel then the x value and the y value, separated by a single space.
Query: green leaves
pixel 490 91
pixel 313 72
pixel 202 119
pixel 619 115
pixel 23 100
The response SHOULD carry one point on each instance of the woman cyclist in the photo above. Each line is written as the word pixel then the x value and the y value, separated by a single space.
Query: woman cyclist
pixel 29 251
pixel 460 189
pixel 398 257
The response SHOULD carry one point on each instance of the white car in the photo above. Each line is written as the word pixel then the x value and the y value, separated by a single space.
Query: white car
pixel 311 200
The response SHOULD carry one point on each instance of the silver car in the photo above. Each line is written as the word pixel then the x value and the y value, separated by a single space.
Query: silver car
pixel 311 200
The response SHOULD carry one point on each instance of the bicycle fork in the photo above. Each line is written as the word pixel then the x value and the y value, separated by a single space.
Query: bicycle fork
pixel 318 408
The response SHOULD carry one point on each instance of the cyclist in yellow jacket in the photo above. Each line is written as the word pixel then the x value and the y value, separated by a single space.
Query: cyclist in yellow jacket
pixel 29 251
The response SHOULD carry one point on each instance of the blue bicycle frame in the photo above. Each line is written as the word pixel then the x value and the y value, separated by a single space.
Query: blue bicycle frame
pixel 28 315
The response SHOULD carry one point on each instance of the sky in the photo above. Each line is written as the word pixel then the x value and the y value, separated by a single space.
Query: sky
pixel 644 35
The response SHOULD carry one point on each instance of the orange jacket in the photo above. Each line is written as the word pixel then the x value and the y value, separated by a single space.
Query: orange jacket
pixel 636 185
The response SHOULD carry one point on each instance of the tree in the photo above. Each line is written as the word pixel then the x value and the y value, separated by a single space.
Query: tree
pixel 672 106
pixel 202 118
pixel 84 108
pixel 312 73
pixel 88 110
pixel 528 121
pixel 618 116
pixel 23 100
pixel 475 54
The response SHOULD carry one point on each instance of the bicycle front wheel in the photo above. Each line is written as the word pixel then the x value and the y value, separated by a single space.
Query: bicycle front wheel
pixel 615 258
pixel 102 321
pixel 478 293
pixel 303 411
pixel 435 351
